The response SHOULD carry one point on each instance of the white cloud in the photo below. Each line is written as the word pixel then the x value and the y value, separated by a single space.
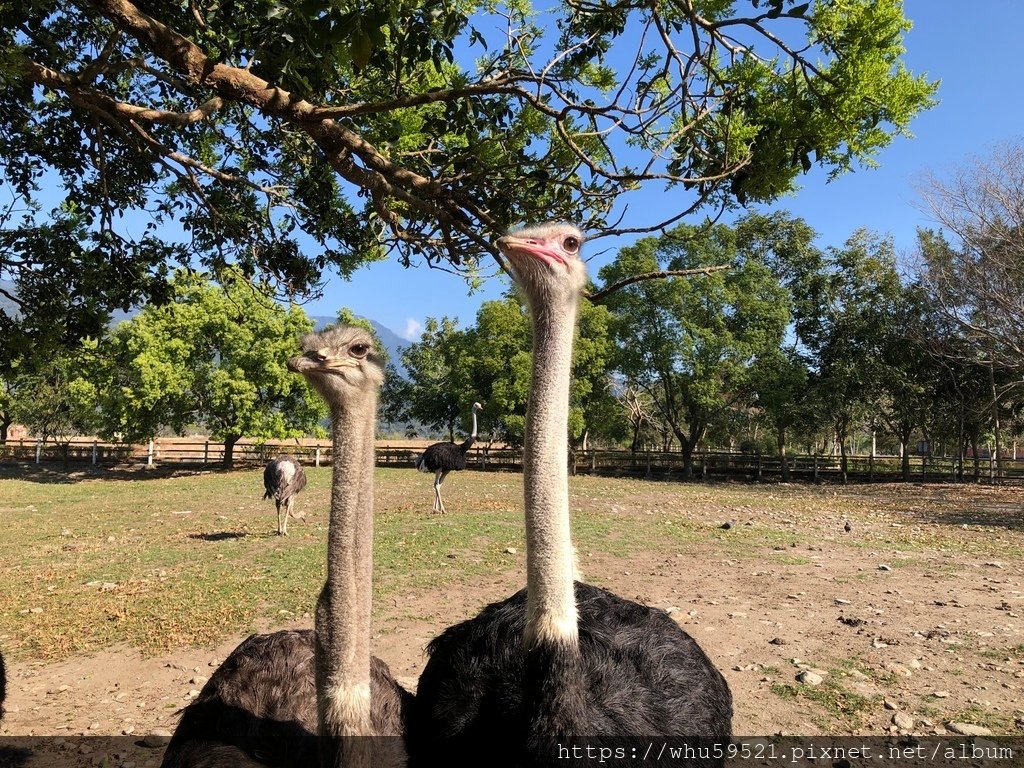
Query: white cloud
pixel 413 327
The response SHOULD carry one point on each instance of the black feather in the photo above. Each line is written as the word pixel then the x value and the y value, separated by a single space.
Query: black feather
pixel 444 456
pixel 637 677
pixel 3 685
pixel 259 708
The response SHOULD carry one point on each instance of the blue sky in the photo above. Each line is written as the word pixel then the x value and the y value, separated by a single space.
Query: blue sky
pixel 973 48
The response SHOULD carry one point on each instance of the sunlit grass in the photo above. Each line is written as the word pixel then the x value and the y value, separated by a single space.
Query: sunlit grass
pixel 161 562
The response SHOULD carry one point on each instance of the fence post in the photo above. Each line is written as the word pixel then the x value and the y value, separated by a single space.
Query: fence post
pixel 39 450
pixel 95 450
pixel 206 452
pixel 648 465
pixel 759 466
pixel 815 467
pixel 149 453
pixel 316 458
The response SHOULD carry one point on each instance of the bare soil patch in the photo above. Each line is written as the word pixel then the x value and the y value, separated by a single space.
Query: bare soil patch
pixel 916 610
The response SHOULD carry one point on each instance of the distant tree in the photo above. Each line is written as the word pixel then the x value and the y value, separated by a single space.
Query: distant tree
pixel 254 125
pixel 438 393
pixel 973 267
pixel 53 400
pixel 910 376
pixel 691 344
pixel 593 412
pixel 859 300
pixel 213 357
pixel 778 382
pixel 7 395
pixel 498 348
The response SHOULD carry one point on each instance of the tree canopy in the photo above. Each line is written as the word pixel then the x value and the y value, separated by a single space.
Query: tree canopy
pixel 213 358
pixel 692 344
pixel 286 136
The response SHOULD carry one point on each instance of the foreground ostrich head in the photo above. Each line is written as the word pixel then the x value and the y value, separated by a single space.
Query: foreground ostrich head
pixel 339 362
pixel 546 261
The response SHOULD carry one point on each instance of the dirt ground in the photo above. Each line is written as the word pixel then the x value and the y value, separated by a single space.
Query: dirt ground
pixel 908 641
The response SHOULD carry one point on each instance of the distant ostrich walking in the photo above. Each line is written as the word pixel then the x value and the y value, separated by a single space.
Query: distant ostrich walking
pixel 283 478
pixel 559 664
pixel 442 458
pixel 265 704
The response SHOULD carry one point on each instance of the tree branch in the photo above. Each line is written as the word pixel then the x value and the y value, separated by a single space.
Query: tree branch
pixel 598 296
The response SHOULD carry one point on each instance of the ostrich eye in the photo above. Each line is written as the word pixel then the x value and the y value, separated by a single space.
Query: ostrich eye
pixel 571 244
pixel 359 350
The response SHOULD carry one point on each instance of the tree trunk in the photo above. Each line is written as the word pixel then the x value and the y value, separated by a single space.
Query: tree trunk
pixel 842 426
pixel 977 459
pixel 5 424
pixel 780 440
pixel 842 461
pixel 688 458
pixel 995 461
pixel 229 451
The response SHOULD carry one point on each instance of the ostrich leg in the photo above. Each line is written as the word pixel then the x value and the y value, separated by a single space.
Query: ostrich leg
pixel 438 504
pixel 282 520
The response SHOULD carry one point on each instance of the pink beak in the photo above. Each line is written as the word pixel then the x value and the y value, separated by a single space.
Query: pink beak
pixel 536 248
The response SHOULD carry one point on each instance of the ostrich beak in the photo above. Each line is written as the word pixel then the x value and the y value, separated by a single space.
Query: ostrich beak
pixel 513 246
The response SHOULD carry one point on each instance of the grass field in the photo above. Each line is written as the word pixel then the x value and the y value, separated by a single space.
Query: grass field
pixel 159 562
pixel 924 594
pixel 164 561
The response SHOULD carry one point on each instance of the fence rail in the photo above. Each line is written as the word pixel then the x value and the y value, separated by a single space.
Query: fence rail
pixel 645 464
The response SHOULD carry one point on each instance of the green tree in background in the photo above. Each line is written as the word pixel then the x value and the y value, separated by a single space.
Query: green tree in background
pixel 691 344
pixel 438 393
pixel 214 357
pixel 52 398
pixel 256 126
pixel 860 300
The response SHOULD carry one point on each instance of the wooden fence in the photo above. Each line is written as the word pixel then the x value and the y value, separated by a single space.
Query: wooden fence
pixel 199 452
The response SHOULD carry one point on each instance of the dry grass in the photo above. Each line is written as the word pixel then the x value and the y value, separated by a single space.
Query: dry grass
pixel 162 562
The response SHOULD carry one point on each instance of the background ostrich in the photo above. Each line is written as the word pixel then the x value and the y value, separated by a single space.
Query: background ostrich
pixel 264 704
pixel 560 663
pixel 3 685
pixel 283 478
pixel 442 458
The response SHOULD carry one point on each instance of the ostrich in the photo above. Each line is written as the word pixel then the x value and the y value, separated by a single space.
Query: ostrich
pixel 283 478
pixel 265 703
pixel 442 458
pixel 561 663
pixel 3 686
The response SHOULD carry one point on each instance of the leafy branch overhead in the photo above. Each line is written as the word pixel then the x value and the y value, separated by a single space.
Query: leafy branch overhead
pixel 291 135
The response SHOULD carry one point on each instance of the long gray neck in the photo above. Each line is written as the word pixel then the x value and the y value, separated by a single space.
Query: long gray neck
pixel 342 625
pixel 473 435
pixel 551 601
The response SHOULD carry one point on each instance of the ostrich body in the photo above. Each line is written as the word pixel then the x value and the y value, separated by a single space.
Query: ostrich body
pixel 442 458
pixel 283 478
pixel 280 699
pixel 561 663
